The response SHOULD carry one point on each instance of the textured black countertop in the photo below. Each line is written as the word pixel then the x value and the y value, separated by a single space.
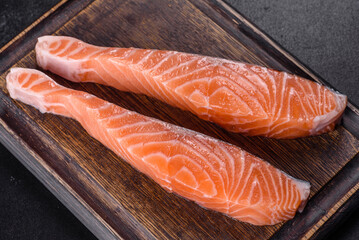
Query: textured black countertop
pixel 323 34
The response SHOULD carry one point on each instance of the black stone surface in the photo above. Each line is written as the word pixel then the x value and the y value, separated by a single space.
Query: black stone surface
pixel 323 34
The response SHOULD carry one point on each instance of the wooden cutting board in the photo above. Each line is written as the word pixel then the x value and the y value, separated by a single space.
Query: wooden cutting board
pixel 111 198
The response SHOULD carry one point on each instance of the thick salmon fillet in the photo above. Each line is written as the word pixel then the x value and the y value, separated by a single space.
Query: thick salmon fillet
pixel 214 174
pixel 240 97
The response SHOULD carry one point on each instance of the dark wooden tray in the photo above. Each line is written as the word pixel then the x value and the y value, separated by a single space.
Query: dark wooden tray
pixel 111 198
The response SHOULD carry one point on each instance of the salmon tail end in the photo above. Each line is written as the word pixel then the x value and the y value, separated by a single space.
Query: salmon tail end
pixel 14 81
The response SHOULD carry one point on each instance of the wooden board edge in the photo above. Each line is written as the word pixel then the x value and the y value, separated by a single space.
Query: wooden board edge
pixel 338 218
pixel 53 182
pixel 331 213
pixel 32 25
pixel 48 23
pixel 350 121
pixel 341 188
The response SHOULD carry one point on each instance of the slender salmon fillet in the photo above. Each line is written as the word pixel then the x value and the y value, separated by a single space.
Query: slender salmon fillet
pixel 214 174
pixel 243 98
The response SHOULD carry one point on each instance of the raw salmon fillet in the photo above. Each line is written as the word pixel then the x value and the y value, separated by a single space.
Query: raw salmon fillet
pixel 214 174
pixel 240 97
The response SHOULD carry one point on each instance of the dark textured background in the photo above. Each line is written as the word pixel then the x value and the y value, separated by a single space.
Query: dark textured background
pixel 323 34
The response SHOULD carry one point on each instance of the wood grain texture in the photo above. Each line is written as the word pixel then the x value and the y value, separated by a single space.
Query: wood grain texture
pixel 127 203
